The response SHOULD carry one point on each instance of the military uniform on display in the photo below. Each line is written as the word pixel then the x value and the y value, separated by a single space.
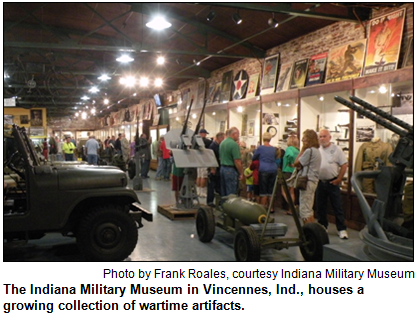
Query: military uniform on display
pixel 366 160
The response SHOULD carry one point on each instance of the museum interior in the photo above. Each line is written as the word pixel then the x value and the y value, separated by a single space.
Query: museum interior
pixel 80 71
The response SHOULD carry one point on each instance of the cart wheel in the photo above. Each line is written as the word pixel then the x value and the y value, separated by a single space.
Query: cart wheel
pixel 205 224
pixel 246 245
pixel 316 237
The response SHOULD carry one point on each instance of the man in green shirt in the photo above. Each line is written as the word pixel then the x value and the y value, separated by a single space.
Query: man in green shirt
pixel 231 164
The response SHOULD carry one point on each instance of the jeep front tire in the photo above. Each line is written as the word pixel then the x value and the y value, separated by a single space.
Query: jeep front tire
pixel 107 233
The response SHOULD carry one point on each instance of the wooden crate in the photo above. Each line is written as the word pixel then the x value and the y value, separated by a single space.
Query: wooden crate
pixel 174 214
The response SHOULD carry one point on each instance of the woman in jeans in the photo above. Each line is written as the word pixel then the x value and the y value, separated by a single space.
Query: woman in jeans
pixel 290 155
pixel 266 154
pixel 309 160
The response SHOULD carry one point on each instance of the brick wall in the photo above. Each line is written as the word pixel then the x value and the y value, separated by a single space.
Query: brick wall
pixel 334 35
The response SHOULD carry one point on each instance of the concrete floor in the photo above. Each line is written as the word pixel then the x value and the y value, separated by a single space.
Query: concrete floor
pixel 166 240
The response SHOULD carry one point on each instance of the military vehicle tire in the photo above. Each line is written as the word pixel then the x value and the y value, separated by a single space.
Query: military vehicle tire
pixel 246 245
pixel 107 234
pixel 316 238
pixel 131 169
pixel 205 224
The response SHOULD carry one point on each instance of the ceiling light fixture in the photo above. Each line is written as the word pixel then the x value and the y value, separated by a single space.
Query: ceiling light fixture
pixel 160 60
pixel 211 15
pixel 94 89
pixel 85 97
pixel 106 101
pixel 158 82
pixel 124 59
pixel 144 82
pixel 236 18
pixel 104 77
pixel 272 22
pixel 158 23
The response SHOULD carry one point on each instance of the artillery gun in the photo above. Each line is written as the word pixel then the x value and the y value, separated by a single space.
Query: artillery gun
pixel 385 239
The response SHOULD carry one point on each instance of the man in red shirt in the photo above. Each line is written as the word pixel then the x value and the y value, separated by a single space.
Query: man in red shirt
pixel 166 161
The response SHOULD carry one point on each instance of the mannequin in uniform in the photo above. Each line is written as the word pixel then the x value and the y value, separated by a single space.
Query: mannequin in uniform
pixel 366 160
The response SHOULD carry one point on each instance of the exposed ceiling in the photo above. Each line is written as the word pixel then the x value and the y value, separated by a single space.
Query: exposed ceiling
pixel 55 52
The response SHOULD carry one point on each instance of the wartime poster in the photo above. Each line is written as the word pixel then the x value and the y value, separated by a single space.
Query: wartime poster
pixel 316 68
pixel 284 77
pixel 240 85
pixel 226 86
pixel 253 85
pixel 299 74
pixel 346 61
pixel 269 74
pixel 384 43
pixel 200 94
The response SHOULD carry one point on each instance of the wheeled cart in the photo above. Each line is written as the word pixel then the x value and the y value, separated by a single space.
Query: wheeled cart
pixel 254 229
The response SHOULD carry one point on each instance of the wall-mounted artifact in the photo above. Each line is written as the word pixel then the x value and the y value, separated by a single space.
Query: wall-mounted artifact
pixel 346 61
pixel 269 74
pixel 240 85
pixel 385 33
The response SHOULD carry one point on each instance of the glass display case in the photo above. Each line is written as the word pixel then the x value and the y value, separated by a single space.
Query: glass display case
pixel 215 120
pixel 279 118
pixel 322 111
pixel 247 120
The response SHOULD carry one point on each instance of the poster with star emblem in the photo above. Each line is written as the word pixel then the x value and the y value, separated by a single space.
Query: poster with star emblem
pixel 240 84
pixel 269 74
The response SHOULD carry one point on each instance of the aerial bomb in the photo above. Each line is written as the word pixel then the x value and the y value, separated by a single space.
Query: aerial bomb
pixel 245 211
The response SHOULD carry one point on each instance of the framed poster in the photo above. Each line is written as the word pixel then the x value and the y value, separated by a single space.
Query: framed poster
pixel 36 119
pixel 201 93
pixel 409 54
pixel 269 74
pixel 284 77
pixel 8 119
pixel 316 69
pixel 226 86
pixel 346 61
pixel 156 120
pixel 240 85
pixel 299 74
pixel 385 33
pixel 210 94
pixel 251 128
pixel 217 92
pixel 253 85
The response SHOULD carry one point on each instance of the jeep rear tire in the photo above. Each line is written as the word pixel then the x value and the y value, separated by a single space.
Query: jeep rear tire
pixel 107 234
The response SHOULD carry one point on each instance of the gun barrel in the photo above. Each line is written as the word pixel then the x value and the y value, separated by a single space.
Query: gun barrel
pixel 371 116
pixel 376 110
pixel 184 128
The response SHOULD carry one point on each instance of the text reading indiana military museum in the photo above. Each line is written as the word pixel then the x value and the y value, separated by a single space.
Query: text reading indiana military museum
pixel 202 292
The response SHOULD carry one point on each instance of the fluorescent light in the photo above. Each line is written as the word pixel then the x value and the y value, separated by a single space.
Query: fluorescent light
pixel 94 89
pixel 85 97
pixel 125 58
pixel 158 23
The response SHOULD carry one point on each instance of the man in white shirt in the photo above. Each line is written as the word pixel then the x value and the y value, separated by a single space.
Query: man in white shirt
pixel 333 168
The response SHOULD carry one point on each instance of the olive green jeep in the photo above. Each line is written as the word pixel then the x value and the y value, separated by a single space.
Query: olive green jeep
pixel 91 203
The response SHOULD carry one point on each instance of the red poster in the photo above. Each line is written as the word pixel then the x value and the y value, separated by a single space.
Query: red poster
pixel 385 33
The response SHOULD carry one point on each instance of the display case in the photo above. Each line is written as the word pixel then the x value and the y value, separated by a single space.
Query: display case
pixel 215 119
pixel 247 120
pixel 322 111
pixel 280 119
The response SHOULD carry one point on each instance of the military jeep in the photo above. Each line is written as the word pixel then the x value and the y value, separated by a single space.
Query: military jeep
pixel 91 203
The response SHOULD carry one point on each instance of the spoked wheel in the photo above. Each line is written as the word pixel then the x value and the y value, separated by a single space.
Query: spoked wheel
pixel 205 224
pixel 246 245
pixel 316 238
pixel 107 234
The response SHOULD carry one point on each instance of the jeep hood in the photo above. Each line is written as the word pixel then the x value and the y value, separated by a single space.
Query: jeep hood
pixel 90 177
